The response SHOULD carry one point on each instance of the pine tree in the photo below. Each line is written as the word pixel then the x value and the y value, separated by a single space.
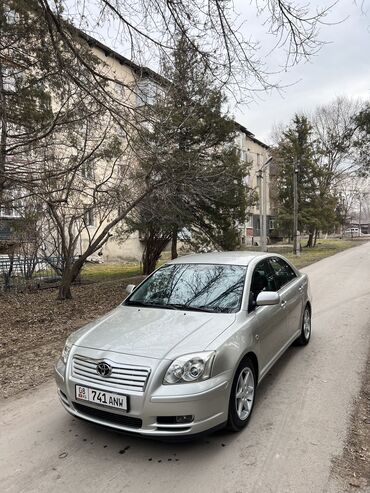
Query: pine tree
pixel 317 208
pixel 194 142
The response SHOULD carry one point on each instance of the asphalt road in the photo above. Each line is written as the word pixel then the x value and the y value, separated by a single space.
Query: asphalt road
pixel 299 423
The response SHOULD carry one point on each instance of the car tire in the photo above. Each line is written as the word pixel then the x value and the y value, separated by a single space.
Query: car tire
pixel 305 335
pixel 242 396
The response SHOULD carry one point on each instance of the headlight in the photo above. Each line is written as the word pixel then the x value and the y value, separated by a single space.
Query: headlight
pixel 67 348
pixel 190 368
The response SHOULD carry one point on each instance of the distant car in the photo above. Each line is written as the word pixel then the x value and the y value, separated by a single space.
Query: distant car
pixel 352 231
pixel 185 351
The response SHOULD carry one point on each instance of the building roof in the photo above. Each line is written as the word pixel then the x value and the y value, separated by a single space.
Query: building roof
pixel 251 135
pixel 138 69
pixel 149 73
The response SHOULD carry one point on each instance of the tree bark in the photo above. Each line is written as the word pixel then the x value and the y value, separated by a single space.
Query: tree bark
pixel 174 253
pixel 70 274
pixel 310 239
pixel 3 133
pixel 315 238
pixel 154 246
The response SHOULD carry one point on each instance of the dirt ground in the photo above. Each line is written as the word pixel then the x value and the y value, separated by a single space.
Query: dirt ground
pixel 353 466
pixel 34 326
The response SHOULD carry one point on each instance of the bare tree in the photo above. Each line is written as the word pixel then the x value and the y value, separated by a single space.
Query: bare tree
pixel 334 136
pixel 103 188
pixel 149 26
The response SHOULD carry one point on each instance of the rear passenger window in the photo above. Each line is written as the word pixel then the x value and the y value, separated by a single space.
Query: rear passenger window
pixel 283 272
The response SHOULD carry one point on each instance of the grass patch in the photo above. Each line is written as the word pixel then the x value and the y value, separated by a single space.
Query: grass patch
pixel 323 248
pixel 98 272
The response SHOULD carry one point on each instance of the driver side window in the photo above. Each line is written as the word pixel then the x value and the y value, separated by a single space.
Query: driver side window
pixel 262 280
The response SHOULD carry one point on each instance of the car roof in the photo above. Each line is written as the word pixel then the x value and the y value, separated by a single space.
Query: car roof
pixel 231 258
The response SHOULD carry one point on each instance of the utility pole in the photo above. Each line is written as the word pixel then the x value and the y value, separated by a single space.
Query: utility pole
pixel 296 246
pixel 262 191
pixel 259 183
pixel 264 211
pixel 359 218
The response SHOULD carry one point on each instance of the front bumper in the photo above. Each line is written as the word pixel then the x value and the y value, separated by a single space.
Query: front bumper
pixel 207 401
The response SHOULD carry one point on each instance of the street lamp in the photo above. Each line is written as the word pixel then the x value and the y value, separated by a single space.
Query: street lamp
pixel 262 191
pixel 296 246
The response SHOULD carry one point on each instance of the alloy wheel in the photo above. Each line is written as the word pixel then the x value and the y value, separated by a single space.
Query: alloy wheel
pixel 244 395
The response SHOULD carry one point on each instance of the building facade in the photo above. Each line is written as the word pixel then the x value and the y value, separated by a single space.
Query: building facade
pixel 140 86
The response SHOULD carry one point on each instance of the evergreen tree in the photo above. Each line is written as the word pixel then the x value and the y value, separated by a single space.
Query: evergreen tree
pixel 362 139
pixel 316 207
pixel 194 141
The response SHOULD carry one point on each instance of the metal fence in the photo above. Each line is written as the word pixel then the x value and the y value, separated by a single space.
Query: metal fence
pixel 20 273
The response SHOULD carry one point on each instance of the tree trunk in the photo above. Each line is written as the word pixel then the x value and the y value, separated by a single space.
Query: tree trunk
pixel 3 134
pixel 151 255
pixel 310 240
pixel 154 246
pixel 174 243
pixel 316 236
pixel 7 275
pixel 69 275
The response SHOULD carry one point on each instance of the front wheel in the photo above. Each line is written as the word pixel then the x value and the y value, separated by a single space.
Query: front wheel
pixel 305 335
pixel 242 396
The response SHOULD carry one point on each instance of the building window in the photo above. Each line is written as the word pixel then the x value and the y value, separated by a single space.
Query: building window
pixel 89 218
pixel 272 224
pixel 119 89
pixel 147 92
pixel 87 171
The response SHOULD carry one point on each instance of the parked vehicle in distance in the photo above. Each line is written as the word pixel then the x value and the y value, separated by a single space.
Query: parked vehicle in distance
pixel 185 351
pixel 352 232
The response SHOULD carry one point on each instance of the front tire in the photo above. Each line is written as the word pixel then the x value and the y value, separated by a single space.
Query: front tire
pixel 305 335
pixel 242 396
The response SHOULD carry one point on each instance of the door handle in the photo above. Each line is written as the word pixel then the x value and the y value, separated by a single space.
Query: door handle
pixel 300 289
pixel 283 304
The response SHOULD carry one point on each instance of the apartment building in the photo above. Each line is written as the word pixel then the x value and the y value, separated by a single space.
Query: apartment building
pixel 141 86
pixel 255 154
pixel 146 84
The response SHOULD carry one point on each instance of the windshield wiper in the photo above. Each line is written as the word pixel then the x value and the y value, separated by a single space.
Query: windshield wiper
pixel 174 306
pixel 178 306
pixel 149 305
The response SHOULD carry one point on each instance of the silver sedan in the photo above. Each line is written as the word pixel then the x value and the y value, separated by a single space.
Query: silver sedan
pixel 185 351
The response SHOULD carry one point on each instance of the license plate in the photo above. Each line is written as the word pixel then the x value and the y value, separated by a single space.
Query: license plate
pixel 104 398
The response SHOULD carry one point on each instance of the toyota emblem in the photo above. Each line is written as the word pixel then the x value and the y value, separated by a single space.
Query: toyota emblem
pixel 103 369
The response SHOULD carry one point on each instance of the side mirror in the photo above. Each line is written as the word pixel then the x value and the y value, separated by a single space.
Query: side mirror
pixel 266 298
pixel 130 288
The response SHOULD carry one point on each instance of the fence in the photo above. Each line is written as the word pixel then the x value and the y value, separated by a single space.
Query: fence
pixel 20 273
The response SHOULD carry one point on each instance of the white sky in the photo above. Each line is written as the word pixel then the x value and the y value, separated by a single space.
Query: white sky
pixel 342 67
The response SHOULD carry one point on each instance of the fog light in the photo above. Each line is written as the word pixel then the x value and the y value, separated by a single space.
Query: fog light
pixel 184 419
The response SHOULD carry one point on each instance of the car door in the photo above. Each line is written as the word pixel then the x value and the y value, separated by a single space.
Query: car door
pixel 289 288
pixel 268 322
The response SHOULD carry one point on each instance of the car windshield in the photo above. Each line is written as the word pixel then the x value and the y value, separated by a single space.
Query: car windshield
pixel 195 287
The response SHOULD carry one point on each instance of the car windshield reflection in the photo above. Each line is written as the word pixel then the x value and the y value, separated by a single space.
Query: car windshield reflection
pixel 193 287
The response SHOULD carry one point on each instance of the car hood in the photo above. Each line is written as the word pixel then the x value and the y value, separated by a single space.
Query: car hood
pixel 153 332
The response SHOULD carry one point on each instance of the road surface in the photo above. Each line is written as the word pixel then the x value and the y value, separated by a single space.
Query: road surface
pixel 299 423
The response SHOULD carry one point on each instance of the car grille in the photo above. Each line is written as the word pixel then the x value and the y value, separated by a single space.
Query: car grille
pixel 122 376
pixel 107 416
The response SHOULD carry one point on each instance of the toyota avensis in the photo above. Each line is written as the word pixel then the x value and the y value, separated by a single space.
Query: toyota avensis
pixel 185 351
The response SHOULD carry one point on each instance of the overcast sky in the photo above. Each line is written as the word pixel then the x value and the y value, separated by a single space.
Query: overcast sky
pixel 342 67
